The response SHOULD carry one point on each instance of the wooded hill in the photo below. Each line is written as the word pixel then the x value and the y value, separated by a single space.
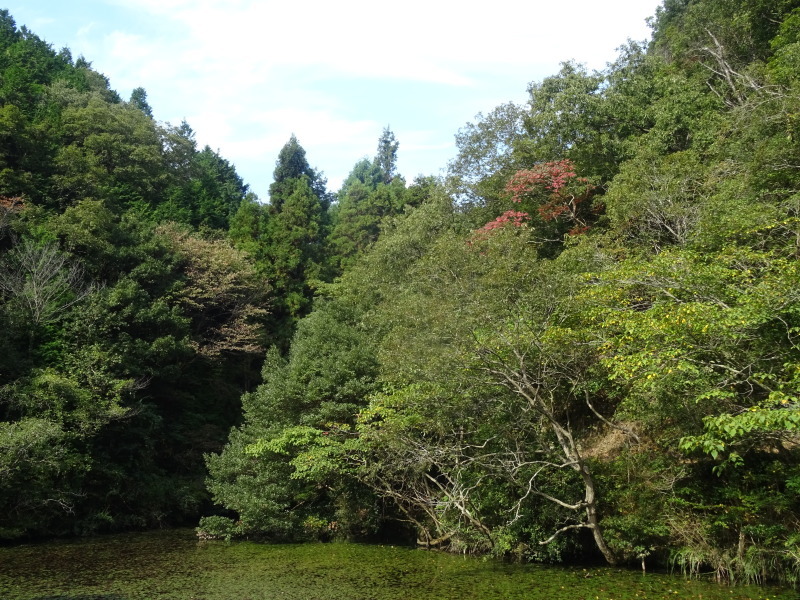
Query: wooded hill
pixel 582 341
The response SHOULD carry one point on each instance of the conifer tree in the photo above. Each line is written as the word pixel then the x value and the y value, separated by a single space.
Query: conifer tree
pixel 386 158
pixel 294 238
pixel 291 165
pixel 139 100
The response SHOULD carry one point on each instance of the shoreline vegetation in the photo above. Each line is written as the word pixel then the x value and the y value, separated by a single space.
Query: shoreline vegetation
pixel 581 343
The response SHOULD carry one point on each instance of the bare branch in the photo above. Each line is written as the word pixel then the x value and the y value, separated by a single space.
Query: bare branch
pixel 625 430
pixel 42 280
pixel 564 529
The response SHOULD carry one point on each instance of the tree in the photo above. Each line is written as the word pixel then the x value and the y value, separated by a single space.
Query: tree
pixel 563 122
pixel 180 151
pixel 219 189
pixel 139 100
pixel 485 153
pixel 693 345
pixel 222 295
pixel 263 472
pixel 487 405
pixel 29 65
pixel 206 190
pixel 39 283
pixel 546 364
pixel 287 471
pixel 290 166
pixel 386 158
pixel 8 29
pixel 556 193
pixel 111 152
pixel 293 252
pixel 662 203
pixel 22 154
pixel 364 203
pixel 248 227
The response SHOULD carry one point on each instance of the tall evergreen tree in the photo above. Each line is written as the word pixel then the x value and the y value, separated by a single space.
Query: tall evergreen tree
pixel 372 192
pixel 139 100
pixel 291 165
pixel 386 158
pixel 294 238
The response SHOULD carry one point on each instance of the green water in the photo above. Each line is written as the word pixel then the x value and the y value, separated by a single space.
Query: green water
pixel 174 565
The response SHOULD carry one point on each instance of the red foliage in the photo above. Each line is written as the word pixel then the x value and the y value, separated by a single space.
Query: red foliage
pixel 513 217
pixel 551 176
pixel 557 190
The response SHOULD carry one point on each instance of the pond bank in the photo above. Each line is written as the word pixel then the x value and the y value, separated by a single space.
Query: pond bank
pixel 173 565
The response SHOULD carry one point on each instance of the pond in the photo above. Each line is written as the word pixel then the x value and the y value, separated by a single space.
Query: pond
pixel 174 565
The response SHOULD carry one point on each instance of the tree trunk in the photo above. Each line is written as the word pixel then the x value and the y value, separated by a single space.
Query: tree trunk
pixel 591 516
pixel 573 455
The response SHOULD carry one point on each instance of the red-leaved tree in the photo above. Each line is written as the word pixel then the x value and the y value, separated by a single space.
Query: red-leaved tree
pixel 554 191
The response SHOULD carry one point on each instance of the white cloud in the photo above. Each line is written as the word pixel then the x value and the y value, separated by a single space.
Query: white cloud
pixel 248 73
pixel 425 41
pixel 86 30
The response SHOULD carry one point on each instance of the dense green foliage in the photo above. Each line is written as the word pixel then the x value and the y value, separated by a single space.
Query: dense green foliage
pixel 140 285
pixel 130 325
pixel 583 340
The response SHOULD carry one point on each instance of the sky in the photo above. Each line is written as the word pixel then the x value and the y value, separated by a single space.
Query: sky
pixel 247 74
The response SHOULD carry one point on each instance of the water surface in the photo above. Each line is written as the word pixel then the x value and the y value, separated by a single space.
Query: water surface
pixel 173 565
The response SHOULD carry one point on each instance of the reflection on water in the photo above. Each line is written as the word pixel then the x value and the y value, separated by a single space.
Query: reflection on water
pixel 174 565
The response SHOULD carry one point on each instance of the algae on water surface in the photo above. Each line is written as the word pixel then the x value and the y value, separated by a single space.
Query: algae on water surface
pixel 173 565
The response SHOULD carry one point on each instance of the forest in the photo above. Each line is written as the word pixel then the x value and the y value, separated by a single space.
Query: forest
pixel 581 343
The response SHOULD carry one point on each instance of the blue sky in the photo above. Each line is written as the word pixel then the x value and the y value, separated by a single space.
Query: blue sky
pixel 246 74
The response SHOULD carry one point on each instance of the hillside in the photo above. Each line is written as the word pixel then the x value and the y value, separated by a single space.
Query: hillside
pixel 580 343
